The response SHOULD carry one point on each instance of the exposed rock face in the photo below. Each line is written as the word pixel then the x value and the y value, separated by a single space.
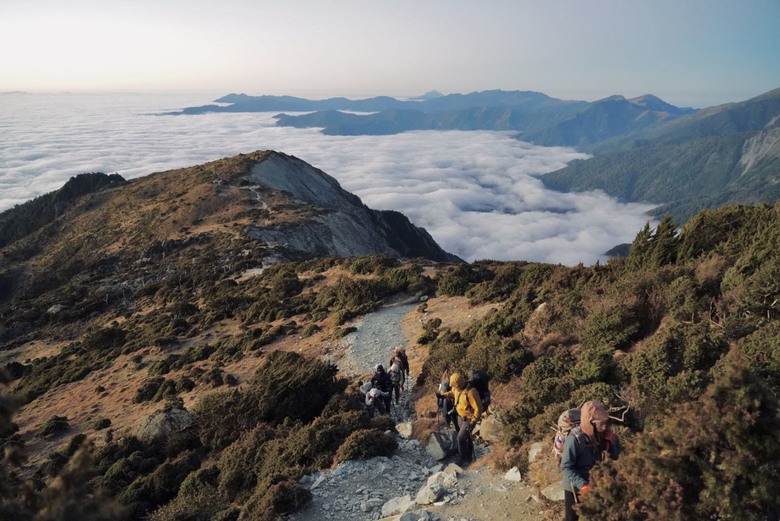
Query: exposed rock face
pixel 764 146
pixel 345 226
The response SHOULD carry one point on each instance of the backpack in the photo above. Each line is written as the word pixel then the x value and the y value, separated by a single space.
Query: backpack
pixel 395 374
pixel 404 361
pixel 566 422
pixel 479 381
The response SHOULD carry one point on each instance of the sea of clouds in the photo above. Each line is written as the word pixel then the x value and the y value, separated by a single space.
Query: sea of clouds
pixel 476 193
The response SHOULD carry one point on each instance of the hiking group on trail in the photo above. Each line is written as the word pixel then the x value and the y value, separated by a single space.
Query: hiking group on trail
pixel 583 438
pixel 385 385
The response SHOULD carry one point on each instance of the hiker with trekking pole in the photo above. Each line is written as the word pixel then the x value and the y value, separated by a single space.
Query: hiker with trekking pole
pixel 445 405
pixel 468 405
pixel 584 447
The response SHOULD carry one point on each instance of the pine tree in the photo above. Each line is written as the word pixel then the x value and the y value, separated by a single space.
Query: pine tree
pixel 640 248
pixel 664 243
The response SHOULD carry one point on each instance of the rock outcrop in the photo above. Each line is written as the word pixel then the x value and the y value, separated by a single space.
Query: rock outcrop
pixel 343 226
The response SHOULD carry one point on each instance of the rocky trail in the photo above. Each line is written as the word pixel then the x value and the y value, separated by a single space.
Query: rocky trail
pixel 412 484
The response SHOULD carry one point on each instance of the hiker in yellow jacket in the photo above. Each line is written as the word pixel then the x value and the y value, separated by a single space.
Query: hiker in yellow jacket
pixel 469 407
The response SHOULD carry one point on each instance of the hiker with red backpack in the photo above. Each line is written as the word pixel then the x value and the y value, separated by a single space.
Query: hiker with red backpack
pixel 584 447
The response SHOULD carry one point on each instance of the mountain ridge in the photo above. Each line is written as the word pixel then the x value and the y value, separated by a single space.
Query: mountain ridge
pixel 267 197
pixel 716 156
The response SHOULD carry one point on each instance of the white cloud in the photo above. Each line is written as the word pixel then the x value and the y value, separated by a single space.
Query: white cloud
pixel 475 192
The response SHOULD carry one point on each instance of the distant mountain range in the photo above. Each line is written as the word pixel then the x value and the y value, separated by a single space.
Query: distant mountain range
pixel 541 119
pixel 706 159
pixel 644 149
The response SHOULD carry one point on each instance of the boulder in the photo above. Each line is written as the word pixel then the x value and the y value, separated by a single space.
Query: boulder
pixel 513 474
pixel 443 480
pixel 166 424
pixel 554 492
pixel 429 494
pixel 397 505
pixel 441 444
pixel 490 429
pixel 404 429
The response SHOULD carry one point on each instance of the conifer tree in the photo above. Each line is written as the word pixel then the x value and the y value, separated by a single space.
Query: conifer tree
pixel 640 248
pixel 664 243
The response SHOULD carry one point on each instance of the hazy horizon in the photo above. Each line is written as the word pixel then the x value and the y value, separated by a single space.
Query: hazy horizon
pixel 475 192
pixel 697 53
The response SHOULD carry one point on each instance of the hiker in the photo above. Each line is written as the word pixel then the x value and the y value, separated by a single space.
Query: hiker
pixel 585 446
pixel 399 357
pixel 404 360
pixel 397 380
pixel 375 402
pixel 469 408
pixel 381 380
pixel 446 406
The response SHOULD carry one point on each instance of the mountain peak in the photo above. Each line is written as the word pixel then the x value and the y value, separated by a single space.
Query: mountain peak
pixel 654 103
pixel 282 203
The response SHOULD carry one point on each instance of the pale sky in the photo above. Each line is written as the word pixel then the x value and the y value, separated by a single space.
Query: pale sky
pixel 689 52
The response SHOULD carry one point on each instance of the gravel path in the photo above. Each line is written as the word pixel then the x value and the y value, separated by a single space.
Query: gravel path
pixel 361 490
pixel 377 335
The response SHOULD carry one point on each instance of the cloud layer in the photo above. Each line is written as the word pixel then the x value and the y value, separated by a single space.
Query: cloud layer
pixel 475 192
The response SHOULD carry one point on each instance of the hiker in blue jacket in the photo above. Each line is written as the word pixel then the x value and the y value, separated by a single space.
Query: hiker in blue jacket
pixel 585 446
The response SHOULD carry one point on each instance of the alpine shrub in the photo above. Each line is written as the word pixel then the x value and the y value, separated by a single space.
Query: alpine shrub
pixel 714 458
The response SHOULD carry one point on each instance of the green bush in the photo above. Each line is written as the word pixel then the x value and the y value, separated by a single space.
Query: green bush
pixel 280 498
pixel 762 351
pixel 153 490
pixel 715 458
pixel 366 443
pixel 223 416
pixel 54 426
pixel 203 505
pixel 242 462
pixel 289 385
pixel 198 481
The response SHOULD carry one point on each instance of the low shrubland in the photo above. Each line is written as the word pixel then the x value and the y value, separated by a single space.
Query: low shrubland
pixel 682 336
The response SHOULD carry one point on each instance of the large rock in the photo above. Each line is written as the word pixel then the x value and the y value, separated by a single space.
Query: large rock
pixel 513 474
pixel 536 449
pixel 490 429
pixel 397 505
pixel 439 485
pixel 554 492
pixel 441 444
pixel 429 494
pixel 343 226
pixel 166 424
pixel 404 429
